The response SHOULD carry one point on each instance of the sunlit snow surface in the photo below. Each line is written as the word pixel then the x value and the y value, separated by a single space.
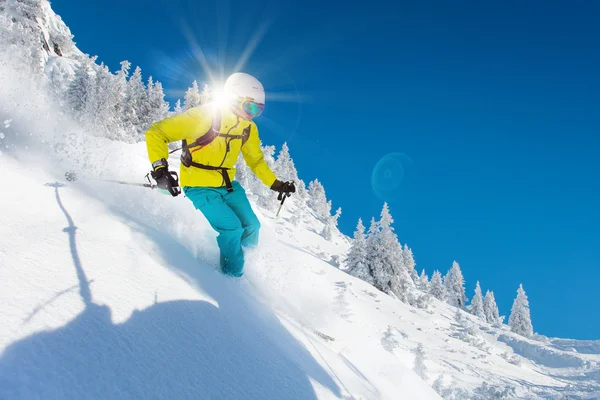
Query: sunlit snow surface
pixel 110 291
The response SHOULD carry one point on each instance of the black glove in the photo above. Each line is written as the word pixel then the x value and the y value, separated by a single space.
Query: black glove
pixel 166 180
pixel 283 187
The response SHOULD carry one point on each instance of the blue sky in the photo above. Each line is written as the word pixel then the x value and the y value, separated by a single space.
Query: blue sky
pixel 495 109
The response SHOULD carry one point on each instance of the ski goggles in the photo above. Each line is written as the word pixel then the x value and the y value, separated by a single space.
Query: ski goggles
pixel 252 108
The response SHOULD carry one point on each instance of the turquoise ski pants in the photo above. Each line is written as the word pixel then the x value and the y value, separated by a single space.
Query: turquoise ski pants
pixel 230 214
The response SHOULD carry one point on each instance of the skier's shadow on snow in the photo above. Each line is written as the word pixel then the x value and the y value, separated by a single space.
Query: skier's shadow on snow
pixel 170 350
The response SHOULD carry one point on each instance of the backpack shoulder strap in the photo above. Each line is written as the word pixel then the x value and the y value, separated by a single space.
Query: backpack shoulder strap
pixel 246 134
pixel 203 140
pixel 212 132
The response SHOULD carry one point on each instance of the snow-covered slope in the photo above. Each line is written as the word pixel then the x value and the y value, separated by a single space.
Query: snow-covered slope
pixel 110 291
pixel 101 301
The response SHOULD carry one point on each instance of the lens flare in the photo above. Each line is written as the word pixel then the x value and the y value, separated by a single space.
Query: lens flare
pixel 391 176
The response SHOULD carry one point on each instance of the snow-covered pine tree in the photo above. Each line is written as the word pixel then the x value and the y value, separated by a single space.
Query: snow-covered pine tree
pixel 436 287
pixel 103 105
pixel 438 384
pixel 419 366
pixel 391 254
pixel 136 103
pixel 409 263
pixel 328 228
pixel 331 225
pixel 192 98
pixel 284 166
pixel 205 95
pixel 356 259
pixel 119 98
pixel 373 260
pixel 242 173
pixel 458 316
pixel 490 308
pixel 423 282
pixel 401 282
pixel 476 307
pixel 455 286
pixel 20 30
pixel 178 109
pixel 520 317
pixel 302 192
pixel 336 217
pixel 317 200
pixel 265 196
pixel 145 112
pixel 159 108
pixel 300 199
pixel 385 258
pixel 285 170
pixel 101 109
pixel 80 90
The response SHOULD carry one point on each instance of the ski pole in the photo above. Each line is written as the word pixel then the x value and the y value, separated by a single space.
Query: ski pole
pixel 146 185
pixel 72 177
pixel 283 197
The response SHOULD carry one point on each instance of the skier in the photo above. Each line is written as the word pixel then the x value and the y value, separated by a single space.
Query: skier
pixel 213 136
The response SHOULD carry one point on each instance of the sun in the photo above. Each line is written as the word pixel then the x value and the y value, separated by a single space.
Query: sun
pixel 219 97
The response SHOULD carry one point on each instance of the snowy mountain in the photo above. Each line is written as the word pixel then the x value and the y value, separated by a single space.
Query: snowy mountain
pixel 112 291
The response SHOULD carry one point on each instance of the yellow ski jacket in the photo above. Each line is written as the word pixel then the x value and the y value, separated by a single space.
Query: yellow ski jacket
pixel 193 124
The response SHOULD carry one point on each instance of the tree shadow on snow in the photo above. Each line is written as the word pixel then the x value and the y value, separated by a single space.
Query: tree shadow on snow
pixel 176 349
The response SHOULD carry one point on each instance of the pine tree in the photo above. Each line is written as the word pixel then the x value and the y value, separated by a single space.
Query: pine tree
pixel 300 199
pixel 205 96
pixel 193 98
pixel 520 317
pixel 81 89
pixel 492 315
pixel 356 259
pixel 423 282
pixel 178 109
pixel 328 229
pixel 385 258
pixel 477 303
pixel 455 286
pixel 336 216
pixel 373 260
pixel 436 287
pixel 284 167
pixel 401 282
pixel 317 200
pixel 101 110
pixel 242 172
pixel 458 317
pixel 409 263
pixel 419 366
pixel 159 108
pixel 136 110
pixel 331 225
pixel 20 31
pixel 119 100
pixel 438 385
pixel 263 194
pixel 390 254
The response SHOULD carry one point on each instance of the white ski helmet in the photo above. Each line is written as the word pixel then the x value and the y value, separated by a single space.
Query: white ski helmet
pixel 241 85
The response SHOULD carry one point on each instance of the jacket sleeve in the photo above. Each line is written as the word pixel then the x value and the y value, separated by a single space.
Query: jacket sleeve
pixel 255 159
pixel 187 125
